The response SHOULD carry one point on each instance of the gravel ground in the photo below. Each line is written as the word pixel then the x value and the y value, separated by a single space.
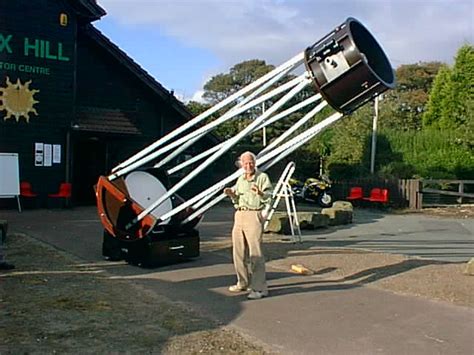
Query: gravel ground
pixel 397 273
pixel 51 303
pixel 54 304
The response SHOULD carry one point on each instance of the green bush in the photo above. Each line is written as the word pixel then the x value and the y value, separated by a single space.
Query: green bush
pixel 429 154
pixel 398 170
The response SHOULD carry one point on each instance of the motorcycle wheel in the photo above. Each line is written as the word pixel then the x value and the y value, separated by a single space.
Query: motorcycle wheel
pixel 325 200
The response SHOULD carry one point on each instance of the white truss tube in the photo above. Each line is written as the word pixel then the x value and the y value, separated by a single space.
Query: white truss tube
pixel 293 128
pixel 204 196
pixel 231 142
pixel 207 128
pixel 195 159
pixel 296 60
pixel 240 104
pixel 306 137
pixel 308 101
pixel 271 120
pixel 264 87
pixel 203 209
pixel 268 159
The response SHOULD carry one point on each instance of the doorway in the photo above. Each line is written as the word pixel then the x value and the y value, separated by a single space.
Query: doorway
pixel 89 162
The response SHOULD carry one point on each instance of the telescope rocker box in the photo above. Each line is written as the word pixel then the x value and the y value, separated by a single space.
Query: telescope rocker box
pixel 153 250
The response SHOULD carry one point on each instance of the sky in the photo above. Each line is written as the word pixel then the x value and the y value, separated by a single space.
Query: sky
pixel 184 43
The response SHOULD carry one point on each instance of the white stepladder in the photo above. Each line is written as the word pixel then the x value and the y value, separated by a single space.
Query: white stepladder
pixel 283 189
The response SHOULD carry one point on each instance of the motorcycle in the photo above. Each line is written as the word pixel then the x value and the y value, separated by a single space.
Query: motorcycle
pixel 313 190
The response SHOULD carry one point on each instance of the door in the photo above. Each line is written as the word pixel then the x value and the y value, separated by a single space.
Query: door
pixel 89 162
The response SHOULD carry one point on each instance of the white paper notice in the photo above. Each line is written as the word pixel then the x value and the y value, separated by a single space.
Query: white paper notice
pixel 56 153
pixel 38 154
pixel 48 155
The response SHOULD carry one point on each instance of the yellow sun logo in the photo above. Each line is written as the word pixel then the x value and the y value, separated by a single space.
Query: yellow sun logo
pixel 18 100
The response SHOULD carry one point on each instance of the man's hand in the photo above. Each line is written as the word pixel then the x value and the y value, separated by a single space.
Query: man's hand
pixel 255 189
pixel 230 192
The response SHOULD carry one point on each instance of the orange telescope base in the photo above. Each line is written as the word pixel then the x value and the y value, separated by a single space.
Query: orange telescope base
pixel 117 209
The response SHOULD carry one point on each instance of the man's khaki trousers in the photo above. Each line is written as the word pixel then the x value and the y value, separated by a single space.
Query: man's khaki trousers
pixel 249 261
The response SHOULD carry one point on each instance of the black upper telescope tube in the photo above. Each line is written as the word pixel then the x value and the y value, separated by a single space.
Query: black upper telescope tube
pixel 349 67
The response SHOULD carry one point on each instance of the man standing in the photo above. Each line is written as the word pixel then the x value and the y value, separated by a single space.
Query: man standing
pixel 251 194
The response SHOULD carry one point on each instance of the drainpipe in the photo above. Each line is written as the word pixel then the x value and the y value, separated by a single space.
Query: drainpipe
pixel 69 148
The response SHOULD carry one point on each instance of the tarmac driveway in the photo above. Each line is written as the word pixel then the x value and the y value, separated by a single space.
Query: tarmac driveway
pixel 429 237
pixel 79 231
pixel 299 318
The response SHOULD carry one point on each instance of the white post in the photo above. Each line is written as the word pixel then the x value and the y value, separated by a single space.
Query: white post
pixel 264 129
pixel 374 135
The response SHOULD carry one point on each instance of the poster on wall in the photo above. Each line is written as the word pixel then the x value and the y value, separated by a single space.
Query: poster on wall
pixel 39 154
pixel 48 155
pixel 56 153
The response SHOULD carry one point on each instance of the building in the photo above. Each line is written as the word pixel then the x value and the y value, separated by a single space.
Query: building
pixel 72 104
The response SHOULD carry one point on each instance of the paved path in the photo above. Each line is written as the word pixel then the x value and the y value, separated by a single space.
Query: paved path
pixel 310 317
pixel 430 237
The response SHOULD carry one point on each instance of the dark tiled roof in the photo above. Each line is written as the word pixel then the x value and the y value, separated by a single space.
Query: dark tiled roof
pixel 88 9
pixel 105 120
pixel 142 74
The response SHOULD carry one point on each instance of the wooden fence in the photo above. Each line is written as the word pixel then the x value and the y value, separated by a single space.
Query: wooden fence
pixel 412 193
pixel 440 192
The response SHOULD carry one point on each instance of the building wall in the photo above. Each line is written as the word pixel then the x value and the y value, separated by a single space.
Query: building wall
pixel 36 63
pixel 54 70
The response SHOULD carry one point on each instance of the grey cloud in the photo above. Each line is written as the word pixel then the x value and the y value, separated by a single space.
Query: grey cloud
pixel 409 31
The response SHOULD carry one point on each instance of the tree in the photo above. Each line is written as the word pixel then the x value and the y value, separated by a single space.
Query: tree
pixel 240 75
pixel 196 108
pixel 451 101
pixel 221 86
pixel 462 86
pixel 441 85
pixel 403 107
pixel 348 144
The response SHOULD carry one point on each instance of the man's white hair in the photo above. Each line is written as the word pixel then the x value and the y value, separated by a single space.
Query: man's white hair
pixel 250 154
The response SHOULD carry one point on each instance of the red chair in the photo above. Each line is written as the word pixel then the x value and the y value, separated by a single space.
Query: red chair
pixel 384 196
pixel 378 195
pixel 26 190
pixel 65 191
pixel 355 193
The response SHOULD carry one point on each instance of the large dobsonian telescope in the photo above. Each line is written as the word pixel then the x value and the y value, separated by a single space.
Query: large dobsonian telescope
pixel 145 220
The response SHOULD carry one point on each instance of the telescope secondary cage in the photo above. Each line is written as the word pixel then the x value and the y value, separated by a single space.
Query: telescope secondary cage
pixel 347 67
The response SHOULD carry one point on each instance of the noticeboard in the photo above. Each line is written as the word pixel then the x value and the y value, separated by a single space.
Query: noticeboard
pixel 9 175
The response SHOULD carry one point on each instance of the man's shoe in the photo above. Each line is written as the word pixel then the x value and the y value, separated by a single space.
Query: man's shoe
pixel 6 266
pixel 256 295
pixel 238 288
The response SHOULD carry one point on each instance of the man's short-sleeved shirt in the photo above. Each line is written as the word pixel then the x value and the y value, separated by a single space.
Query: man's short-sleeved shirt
pixel 246 198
